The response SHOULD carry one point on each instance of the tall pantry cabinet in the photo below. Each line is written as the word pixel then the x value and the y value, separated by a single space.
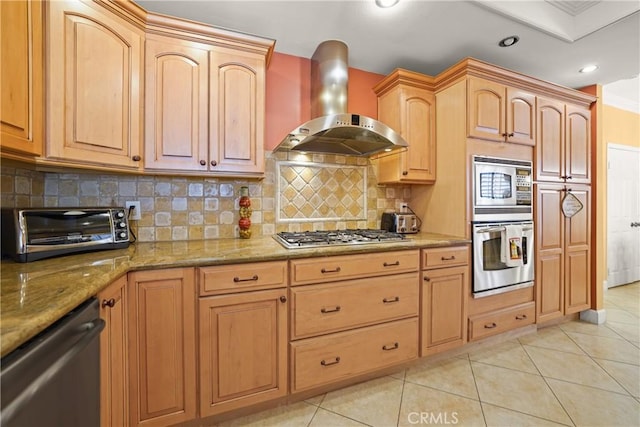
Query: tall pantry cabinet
pixel 562 204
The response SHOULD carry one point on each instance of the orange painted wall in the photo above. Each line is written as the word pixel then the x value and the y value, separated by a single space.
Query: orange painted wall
pixel 288 92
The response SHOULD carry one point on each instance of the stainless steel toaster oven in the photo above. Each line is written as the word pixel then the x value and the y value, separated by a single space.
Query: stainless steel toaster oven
pixel 35 233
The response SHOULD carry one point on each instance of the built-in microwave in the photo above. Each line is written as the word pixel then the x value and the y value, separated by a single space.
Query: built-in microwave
pixel 502 189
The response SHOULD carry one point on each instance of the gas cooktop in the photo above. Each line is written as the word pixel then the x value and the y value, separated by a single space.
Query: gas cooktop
pixel 305 239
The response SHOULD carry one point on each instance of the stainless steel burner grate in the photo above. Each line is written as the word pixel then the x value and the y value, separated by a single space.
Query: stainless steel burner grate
pixel 335 237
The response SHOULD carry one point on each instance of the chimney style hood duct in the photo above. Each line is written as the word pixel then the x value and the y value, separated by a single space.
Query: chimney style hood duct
pixel 332 130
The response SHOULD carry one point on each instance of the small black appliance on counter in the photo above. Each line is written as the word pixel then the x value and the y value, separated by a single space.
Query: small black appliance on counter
pixel 31 234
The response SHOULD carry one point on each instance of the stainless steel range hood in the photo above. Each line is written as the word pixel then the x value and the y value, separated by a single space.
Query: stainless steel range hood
pixel 332 130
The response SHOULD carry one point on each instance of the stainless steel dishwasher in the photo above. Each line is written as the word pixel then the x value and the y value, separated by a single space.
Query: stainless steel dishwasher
pixel 54 379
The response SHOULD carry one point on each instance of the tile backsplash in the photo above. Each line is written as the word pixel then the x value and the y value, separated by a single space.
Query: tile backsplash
pixel 299 192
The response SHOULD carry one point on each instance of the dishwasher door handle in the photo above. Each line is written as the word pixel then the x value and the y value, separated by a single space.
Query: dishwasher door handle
pixel 92 330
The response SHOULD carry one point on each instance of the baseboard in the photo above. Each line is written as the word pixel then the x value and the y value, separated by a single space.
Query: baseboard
pixel 597 317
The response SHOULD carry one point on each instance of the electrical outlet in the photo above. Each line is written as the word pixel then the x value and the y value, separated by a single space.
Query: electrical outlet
pixel 136 213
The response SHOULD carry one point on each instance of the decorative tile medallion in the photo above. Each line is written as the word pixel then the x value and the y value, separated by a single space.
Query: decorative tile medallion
pixel 320 192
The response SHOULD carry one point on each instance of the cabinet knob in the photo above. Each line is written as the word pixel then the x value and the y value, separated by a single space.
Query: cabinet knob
pixel 569 177
pixel 427 279
pixel 202 162
pixel 405 173
pixel 510 135
pixel 136 158
pixel 214 163
pixel 283 299
pixel 108 302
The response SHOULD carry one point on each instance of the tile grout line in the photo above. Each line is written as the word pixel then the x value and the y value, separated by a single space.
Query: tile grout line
pixel 475 383
pixel 404 381
pixel 548 385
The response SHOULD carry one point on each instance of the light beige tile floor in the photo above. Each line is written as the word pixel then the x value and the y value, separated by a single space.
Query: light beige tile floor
pixel 574 374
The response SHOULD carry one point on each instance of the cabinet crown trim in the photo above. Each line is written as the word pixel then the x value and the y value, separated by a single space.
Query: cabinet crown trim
pixel 474 67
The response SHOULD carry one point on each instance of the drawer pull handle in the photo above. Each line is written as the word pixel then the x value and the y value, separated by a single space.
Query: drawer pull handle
pixel 336 270
pixel 335 362
pixel 392 264
pixel 521 316
pixel 251 279
pixel 490 325
pixel 331 310
pixel 390 300
pixel 448 258
pixel 427 279
pixel 393 347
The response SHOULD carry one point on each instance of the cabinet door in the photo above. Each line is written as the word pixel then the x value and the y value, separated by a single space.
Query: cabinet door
pixel 114 379
pixel 21 70
pixel 243 350
pixel 549 251
pixel 162 357
pixel 521 117
pixel 578 147
pixel 94 100
pixel 486 109
pixel 577 256
pixel 444 295
pixel 176 105
pixel 237 112
pixel 549 152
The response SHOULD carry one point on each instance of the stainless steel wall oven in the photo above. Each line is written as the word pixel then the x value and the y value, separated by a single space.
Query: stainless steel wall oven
pixel 493 270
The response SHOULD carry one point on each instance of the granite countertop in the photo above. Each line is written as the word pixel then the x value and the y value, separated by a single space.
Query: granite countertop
pixel 34 295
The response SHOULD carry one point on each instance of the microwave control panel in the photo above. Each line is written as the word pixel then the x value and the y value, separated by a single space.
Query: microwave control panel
pixel 523 186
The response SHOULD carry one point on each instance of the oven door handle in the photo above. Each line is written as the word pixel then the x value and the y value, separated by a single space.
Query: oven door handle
pixel 91 330
pixel 497 229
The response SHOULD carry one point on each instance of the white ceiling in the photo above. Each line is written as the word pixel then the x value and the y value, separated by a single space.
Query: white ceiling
pixel 557 38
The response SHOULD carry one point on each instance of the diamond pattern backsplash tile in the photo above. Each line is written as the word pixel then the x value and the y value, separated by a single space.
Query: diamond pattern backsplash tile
pixel 321 192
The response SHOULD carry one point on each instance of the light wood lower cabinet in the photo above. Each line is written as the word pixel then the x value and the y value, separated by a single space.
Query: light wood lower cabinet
pixel 499 321
pixel 563 268
pixel 243 350
pixel 321 309
pixel 114 378
pixel 330 358
pixel 344 321
pixel 162 353
pixel 445 285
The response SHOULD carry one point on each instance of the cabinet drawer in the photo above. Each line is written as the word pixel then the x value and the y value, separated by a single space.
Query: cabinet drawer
pixel 224 279
pixel 322 360
pixel 320 309
pixel 331 269
pixel 445 257
pixel 502 320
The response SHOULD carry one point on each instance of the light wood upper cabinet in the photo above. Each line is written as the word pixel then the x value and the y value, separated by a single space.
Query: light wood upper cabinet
pixel 114 378
pixel 500 113
pixel 205 108
pixel 578 147
pixel 162 356
pixel 176 104
pixel 22 77
pixel 237 100
pixel 406 103
pixel 563 151
pixel 94 86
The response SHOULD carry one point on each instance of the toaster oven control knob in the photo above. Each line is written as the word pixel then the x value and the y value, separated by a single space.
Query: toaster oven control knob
pixel 122 224
pixel 123 235
pixel 119 214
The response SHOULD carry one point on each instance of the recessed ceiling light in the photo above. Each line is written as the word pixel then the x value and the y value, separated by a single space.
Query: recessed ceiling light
pixel 386 3
pixel 508 41
pixel 588 69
